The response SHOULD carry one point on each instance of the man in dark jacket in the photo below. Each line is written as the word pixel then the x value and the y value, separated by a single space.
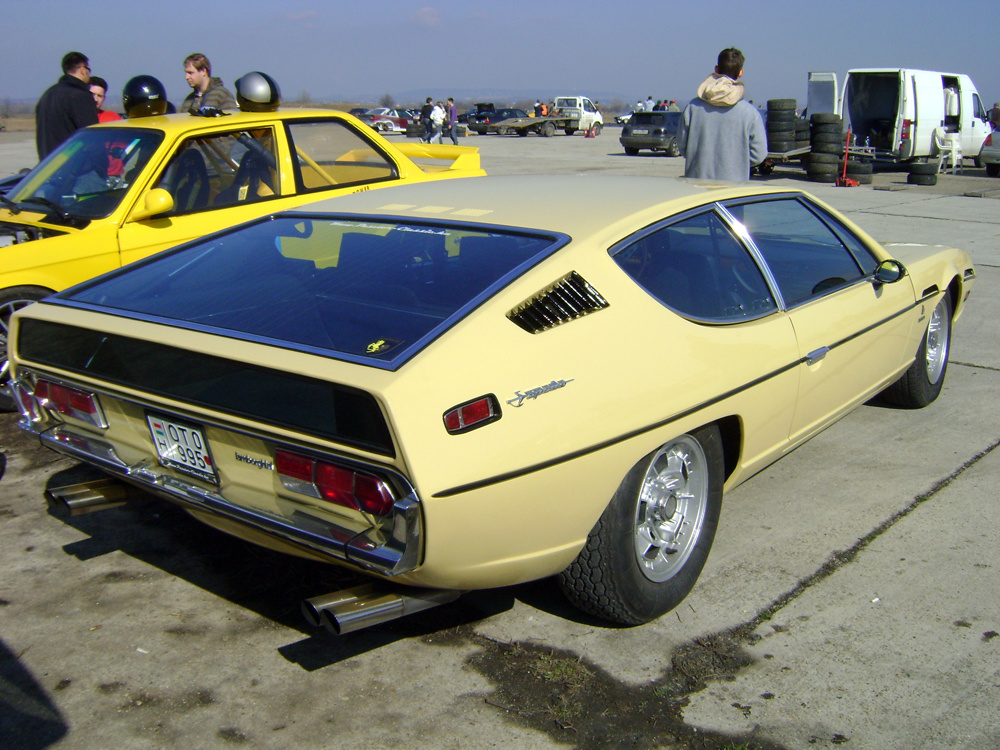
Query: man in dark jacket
pixel 65 107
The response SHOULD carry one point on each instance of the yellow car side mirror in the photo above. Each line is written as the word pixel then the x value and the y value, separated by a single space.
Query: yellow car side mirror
pixel 158 201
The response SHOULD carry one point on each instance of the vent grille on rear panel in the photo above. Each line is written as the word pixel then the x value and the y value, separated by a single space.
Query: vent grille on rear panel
pixel 569 298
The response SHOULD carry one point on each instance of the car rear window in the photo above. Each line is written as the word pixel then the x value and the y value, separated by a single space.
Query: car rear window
pixel 374 291
pixel 656 119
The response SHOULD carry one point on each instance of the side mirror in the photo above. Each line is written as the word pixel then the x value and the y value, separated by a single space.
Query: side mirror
pixel 889 272
pixel 158 201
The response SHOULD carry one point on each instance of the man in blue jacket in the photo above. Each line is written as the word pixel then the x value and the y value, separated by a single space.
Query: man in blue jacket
pixel 721 136
pixel 66 106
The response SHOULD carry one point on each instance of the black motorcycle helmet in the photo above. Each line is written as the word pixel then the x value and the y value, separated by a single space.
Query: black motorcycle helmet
pixel 144 96
pixel 257 92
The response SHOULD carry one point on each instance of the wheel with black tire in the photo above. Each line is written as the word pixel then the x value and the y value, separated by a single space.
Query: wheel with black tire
pixel 780 147
pixel 649 546
pixel 921 383
pixel 921 167
pixel 12 300
pixel 780 117
pixel 569 131
pixel 780 104
pixel 827 138
pixel 672 148
pixel 862 179
pixel 831 128
pixel 630 151
pixel 597 128
pixel 855 167
pixel 818 158
pixel 921 179
pixel 828 177
pixel 825 118
pixel 820 168
pixel 548 129
pixel 993 170
pixel 828 148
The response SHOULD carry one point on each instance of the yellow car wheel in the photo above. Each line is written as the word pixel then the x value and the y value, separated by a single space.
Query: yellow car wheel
pixel 649 546
pixel 922 382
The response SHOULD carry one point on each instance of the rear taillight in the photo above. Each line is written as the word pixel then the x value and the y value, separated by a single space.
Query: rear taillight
pixel 336 484
pixel 70 402
pixel 907 125
pixel 989 140
pixel 472 414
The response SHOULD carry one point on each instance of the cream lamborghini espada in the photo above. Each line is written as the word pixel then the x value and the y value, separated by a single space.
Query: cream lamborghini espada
pixel 476 383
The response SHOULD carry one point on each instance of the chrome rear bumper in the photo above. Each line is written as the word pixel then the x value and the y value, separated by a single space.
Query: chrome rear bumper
pixel 386 551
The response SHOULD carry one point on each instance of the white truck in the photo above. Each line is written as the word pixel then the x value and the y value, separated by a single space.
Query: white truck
pixel 895 110
pixel 571 113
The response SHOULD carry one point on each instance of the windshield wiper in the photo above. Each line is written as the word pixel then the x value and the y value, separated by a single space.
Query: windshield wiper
pixel 14 208
pixel 58 210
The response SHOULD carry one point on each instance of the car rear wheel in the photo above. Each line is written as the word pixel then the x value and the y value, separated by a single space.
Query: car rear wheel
pixel 631 151
pixel 672 148
pixel 649 546
pixel 921 383
pixel 12 300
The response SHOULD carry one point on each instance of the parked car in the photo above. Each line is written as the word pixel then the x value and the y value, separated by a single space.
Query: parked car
pixel 114 193
pixel 542 376
pixel 656 131
pixel 989 154
pixel 358 111
pixel 487 121
pixel 386 119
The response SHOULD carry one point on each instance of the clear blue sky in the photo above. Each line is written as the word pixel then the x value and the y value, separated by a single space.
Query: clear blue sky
pixel 359 50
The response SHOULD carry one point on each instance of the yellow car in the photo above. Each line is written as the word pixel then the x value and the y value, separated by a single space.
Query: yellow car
pixel 114 193
pixel 473 384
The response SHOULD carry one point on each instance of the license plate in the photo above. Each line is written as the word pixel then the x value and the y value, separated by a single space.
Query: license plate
pixel 640 131
pixel 182 446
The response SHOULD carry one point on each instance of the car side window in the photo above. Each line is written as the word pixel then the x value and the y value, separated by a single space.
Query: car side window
pixel 223 169
pixel 805 255
pixel 698 268
pixel 328 154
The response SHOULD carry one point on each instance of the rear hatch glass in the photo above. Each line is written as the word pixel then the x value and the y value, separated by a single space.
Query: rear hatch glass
pixel 370 290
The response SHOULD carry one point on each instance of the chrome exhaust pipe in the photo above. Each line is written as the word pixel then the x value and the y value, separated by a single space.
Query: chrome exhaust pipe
pixel 86 497
pixel 369 604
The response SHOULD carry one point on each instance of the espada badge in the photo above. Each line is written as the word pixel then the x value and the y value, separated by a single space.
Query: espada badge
pixel 534 393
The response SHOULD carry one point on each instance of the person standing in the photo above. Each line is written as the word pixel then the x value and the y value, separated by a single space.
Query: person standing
pixel 437 122
pixel 721 136
pixel 425 119
pixel 451 120
pixel 994 116
pixel 648 106
pixel 99 90
pixel 66 106
pixel 206 91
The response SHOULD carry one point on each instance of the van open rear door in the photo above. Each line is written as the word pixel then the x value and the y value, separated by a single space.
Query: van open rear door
pixel 822 93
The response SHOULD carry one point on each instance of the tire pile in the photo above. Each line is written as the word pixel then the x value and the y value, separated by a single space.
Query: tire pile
pixel 786 131
pixel 826 159
pixel 922 173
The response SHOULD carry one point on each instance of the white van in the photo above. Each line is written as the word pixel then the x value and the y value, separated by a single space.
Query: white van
pixel 581 109
pixel 895 110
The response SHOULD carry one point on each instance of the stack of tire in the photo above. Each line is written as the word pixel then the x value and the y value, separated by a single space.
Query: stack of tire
pixel 781 128
pixel 922 173
pixel 826 144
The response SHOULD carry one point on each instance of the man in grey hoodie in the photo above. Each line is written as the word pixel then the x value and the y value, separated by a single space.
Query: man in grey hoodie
pixel 721 136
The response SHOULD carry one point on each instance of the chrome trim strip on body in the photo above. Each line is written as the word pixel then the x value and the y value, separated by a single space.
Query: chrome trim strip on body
pixel 496 479
pixel 397 553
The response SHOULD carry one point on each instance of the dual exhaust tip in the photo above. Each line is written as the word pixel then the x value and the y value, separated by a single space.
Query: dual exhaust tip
pixel 370 604
pixel 340 612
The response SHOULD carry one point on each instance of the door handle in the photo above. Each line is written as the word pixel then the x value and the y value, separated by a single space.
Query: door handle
pixel 816 355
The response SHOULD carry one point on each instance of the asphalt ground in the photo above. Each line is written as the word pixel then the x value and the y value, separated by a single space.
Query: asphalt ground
pixel 850 598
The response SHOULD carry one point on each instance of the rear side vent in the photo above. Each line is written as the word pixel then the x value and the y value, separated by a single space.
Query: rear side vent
pixel 569 298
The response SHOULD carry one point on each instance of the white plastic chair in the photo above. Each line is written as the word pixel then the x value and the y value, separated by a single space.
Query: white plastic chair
pixel 949 148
